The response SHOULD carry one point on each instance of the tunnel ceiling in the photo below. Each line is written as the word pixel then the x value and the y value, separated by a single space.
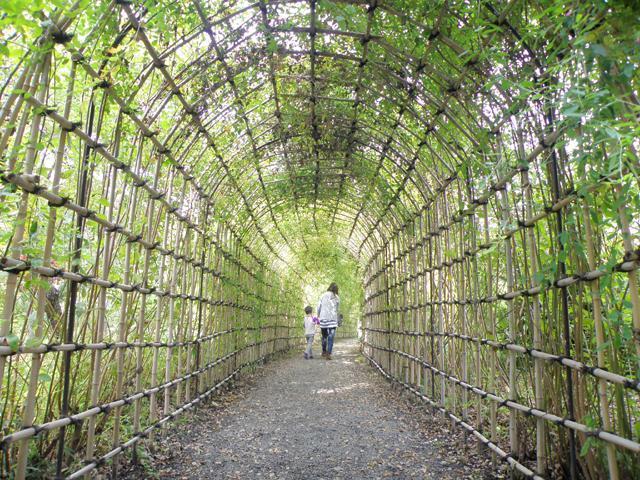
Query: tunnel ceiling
pixel 300 117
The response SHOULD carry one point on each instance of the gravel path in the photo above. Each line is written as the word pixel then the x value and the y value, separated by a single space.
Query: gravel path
pixel 304 419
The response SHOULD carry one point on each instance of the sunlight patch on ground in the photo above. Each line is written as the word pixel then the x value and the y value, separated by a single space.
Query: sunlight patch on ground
pixel 342 389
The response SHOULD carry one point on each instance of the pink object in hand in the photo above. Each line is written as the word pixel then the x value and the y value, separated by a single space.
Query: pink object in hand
pixel 316 320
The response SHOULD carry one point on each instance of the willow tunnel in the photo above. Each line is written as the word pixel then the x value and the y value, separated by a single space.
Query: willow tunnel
pixel 178 177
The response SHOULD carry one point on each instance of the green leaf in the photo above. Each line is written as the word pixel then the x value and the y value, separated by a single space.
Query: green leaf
pixel 272 46
pixel 13 341
pixel 612 133
pixel 586 446
pixel 33 342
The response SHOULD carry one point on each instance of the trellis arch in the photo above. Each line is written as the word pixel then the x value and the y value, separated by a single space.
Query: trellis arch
pixel 166 164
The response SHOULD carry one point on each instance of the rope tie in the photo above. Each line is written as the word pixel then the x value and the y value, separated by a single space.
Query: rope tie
pixel 594 433
pixel 88 213
pixel 60 203
pixel 37 429
pixel 59 37
pixel 76 422
pixel 544 144
pixel 72 127
pixel 134 239
pixel 149 133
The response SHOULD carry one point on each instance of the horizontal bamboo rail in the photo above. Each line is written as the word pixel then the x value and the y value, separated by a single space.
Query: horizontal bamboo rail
pixel 513 463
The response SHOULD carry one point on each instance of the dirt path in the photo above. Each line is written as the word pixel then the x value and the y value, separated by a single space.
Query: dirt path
pixel 304 419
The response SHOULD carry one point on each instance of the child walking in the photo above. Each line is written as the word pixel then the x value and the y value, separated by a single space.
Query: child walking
pixel 310 323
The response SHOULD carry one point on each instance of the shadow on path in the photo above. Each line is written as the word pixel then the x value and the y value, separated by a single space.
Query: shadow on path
pixel 313 419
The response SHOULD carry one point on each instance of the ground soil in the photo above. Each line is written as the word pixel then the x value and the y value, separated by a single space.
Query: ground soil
pixel 316 419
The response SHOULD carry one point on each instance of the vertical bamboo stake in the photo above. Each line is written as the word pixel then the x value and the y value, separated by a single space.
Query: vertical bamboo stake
pixel 229 313
pixel 513 385
pixel 430 262
pixel 142 311
pixel 82 195
pixel 201 292
pixel 171 319
pixel 188 329
pixel 632 276
pixel 123 316
pixel 440 288
pixel 402 293
pixel 564 297
pixel 160 303
pixel 462 312
pixel 209 316
pixel 387 304
pixel 449 317
pixel 97 354
pixel 40 78
pixel 217 294
pixel 184 315
pixel 36 359
pixel 415 287
pixel 474 294
pixel 541 444
pixel 427 311
pixel 601 348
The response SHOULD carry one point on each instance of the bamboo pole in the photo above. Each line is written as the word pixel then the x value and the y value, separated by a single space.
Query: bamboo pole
pixel 28 415
pixel 160 304
pixel 125 300
pixel 513 381
pixel 141 322
pixel 82 193
pixel 541 441
pixel 96 376
pixel 462 315
pixel 40 78
pixel 171 319
pixel 634 291
pixel 601 347
pixel 440 289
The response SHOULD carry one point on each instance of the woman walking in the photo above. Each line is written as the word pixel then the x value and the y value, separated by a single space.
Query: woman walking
pixel 328 308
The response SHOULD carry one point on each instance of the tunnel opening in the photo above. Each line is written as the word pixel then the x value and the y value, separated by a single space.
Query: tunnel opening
pixel 325 261
pixel 180 178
